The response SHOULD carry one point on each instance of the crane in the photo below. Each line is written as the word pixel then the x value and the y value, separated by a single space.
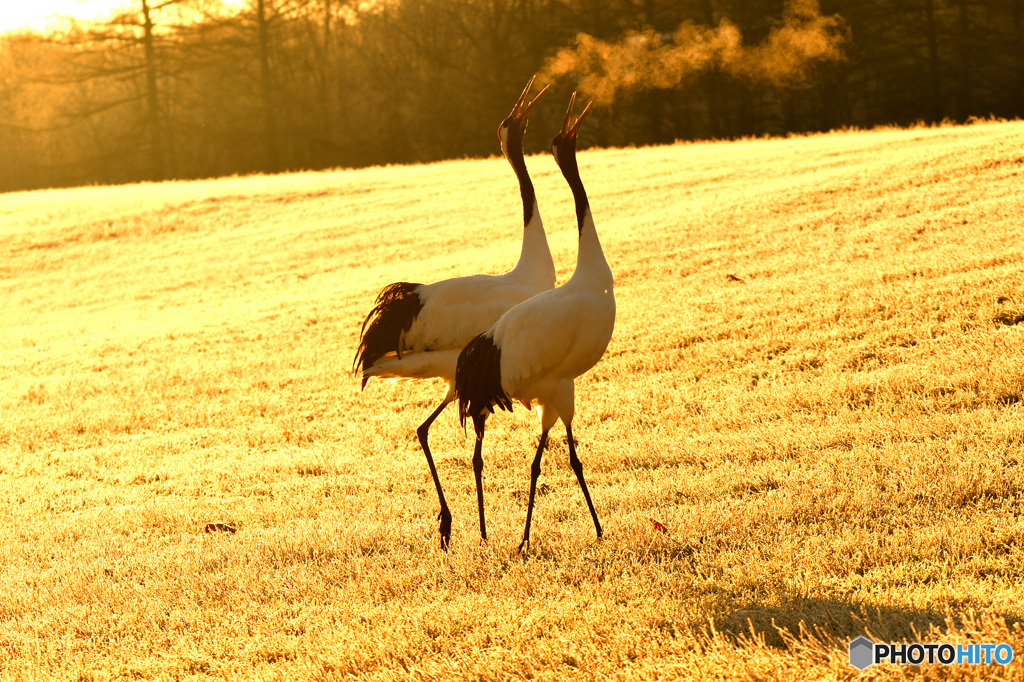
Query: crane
pixel 534 352
pixel 416 331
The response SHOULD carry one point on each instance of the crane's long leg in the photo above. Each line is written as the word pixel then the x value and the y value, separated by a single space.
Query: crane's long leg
pixel 577 467
pixel 478 469
pixel 445 516
pixel 534 475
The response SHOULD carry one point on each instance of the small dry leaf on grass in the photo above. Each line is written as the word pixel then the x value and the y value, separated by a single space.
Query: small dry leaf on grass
pixel 659 526
pixel 218 527
pixel 733 278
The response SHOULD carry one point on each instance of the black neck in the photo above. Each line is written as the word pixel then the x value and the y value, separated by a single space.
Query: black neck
pixel 571 173
pixel 514 146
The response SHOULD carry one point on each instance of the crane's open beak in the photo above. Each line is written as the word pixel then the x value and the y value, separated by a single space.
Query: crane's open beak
pixel 529 106
pixel 522 97
pixel 579 120
pixel 568 114
pixel 568 128
pixel 522 107
pixel 520 110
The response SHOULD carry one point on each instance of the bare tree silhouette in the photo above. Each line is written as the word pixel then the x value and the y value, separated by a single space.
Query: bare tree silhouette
pixel 190 88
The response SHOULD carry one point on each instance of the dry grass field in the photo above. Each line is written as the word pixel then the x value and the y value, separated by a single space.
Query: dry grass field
pixel 815 385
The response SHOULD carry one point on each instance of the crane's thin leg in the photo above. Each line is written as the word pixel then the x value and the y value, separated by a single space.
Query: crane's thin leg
pixel 534 475
pixel 445 516
pixel 577 467
pixel 478 469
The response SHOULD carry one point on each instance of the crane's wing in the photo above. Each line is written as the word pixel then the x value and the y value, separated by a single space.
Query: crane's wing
pixel 456 310
pixel 537 338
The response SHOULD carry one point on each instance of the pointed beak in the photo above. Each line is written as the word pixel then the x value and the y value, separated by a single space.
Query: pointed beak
pixel 568 114
pixel 569 129
pixel 576 128
pixel 529 106
pixel 522 97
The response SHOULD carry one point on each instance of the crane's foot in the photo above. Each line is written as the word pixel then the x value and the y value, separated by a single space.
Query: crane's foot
pixel 446 528
pixel 524 546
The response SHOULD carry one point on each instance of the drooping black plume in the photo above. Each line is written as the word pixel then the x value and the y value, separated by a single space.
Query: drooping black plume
pixel 478 379
pixel 396 309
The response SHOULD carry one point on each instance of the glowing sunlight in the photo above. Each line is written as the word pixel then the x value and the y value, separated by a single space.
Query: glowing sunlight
pixel 40 14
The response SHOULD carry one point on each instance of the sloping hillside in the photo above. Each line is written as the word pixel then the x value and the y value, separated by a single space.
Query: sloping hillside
pixel 815 386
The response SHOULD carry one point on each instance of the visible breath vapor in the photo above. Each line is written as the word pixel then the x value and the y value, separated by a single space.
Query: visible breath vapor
pixel 645 60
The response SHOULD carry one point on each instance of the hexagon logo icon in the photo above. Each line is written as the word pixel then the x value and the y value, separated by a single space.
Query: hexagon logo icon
pixel 862 653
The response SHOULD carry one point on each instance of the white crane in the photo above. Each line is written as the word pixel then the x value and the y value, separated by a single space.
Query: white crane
pixel 415 331
pixel 534 351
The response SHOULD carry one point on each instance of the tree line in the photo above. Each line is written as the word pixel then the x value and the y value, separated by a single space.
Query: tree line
pixel 200 88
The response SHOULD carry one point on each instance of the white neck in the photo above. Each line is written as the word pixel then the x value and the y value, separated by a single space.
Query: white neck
pixel 503 138
pixel 535 264
pixel 592 268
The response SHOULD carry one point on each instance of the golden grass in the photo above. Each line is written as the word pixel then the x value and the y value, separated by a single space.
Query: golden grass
pixel 815 384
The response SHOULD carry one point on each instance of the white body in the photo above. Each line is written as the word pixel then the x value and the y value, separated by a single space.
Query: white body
pixel 554 337
pixel 458 309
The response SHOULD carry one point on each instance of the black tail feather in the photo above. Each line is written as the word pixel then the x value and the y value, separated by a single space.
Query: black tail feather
pixel 478 379
pixel 397 306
